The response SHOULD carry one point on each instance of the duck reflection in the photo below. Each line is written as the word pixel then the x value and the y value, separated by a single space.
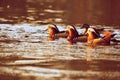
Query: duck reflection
pixel 88 53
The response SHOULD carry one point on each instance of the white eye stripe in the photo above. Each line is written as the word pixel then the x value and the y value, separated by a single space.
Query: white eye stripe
pixel 52 26
pixel 71 27
pixel 91 29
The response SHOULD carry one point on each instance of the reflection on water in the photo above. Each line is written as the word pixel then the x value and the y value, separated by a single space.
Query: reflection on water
pixel 26 53
pixel 39 11
pixel 30 55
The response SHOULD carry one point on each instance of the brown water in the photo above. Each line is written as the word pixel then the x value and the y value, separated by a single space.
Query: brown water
pixel 102 12
pixel 27 54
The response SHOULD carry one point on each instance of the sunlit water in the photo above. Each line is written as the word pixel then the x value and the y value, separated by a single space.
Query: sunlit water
pixel 27 54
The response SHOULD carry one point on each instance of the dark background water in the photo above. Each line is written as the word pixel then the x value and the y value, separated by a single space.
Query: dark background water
pixel 27 54
pixel 60 11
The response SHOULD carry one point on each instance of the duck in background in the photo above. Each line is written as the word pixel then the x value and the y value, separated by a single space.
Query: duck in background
pixel 55 33
pixel 94 40
pixel 98 32
pixel 87 26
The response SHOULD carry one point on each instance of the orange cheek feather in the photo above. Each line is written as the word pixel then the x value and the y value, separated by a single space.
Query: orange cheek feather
pixel 90 37
pixel 107 35
pixel 51 33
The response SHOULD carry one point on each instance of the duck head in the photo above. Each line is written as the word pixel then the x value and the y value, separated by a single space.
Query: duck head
pixel 91 33
pixel 72 32
pixel 52 30
pixel 85 26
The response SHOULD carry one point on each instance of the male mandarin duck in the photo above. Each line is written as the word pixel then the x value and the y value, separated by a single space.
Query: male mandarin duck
pixel 94 40
pixel 54 32
pixel 86 27
pixel 97 31
pixel 73 35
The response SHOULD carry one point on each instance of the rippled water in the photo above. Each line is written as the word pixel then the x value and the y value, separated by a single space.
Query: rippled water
pixel 27 54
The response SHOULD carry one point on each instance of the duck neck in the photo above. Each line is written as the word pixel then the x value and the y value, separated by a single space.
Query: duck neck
pixel 71 34
pixel 52 33
pixel 91 37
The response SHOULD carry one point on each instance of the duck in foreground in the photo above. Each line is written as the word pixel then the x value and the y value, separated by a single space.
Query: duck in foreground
pixel 94 40
pixel 55 33
pixel 73 35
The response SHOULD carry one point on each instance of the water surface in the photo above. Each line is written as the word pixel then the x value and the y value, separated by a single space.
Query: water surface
pixel 26 53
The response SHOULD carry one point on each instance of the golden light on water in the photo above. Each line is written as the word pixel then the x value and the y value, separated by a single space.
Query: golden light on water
pixel 26 52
